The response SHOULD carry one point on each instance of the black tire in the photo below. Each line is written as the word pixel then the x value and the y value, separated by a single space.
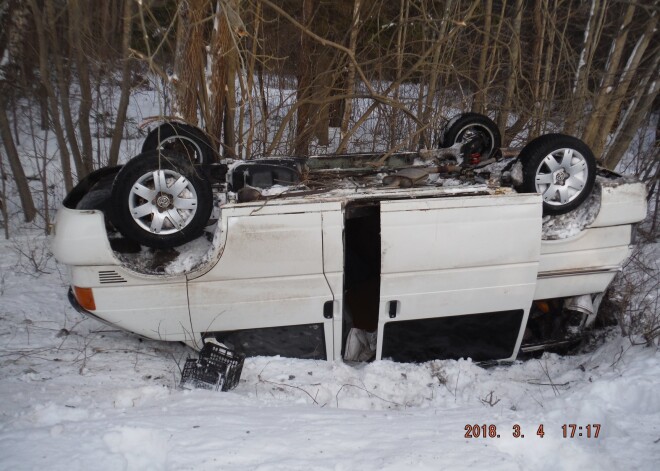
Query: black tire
pixel 563 184
pixel 98 198
pixel 460 128
pixel 161 200
pixel 182 138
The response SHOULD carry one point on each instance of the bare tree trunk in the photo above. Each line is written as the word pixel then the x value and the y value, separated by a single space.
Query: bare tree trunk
pixel 52 99
pixel 621 90
pixel 514 64
pixel 118 132
pixel 62 79
pixel 219 57
pixel 562 54
pixel 27 203
pixel 42 94
pixel 111 20
pixel 402 33
pixel 230 110
pixel 264 105
pixel 495 47
pixel 80 24
pixel 638 109
pixel 106 22
pixel 250 81
pixel 611 69
pixel 350 81
pixel 41 161
pixel 14 40
pixel 539 19
pixel 478 105
pixel 224 59
pixel 99 158
pixel 435 72
pixel 189 61
pixel 303 135
pixel 531 109
pixel 656 211
pixel 3 198
pixel 322 89
pixel 580 85
pixel 422 86
pixel 544 97
pixel 244 107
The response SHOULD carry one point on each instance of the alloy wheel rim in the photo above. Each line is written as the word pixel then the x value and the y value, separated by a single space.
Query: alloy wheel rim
pixel 162 202
pixel 561 176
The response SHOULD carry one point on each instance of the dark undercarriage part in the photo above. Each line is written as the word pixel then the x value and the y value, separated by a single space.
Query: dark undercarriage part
pixel 265 173
pixel 471 151
pixel 559 325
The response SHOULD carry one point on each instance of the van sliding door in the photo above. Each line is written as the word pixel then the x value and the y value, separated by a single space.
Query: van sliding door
pixel 457 276
pixel 267 294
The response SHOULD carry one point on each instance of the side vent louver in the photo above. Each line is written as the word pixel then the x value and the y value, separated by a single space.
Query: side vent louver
pixel 110 276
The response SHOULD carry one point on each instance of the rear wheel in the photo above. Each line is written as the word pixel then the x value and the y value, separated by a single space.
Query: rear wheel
pixel 561 168
pixel 475 131
pixel 183 138
pixel 160 200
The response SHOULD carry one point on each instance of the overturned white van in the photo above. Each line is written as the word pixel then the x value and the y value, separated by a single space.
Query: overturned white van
pixel 432 271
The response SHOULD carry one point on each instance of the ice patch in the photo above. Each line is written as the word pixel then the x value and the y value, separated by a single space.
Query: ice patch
pixel 517 173
pixel 277 190
pixel 570 224
pixel 191 255
pixel 177 261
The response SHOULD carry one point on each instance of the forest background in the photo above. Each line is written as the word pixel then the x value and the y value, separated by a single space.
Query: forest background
pixel 298 77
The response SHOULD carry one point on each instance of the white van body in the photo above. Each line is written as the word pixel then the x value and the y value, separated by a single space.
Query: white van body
pixel 459 269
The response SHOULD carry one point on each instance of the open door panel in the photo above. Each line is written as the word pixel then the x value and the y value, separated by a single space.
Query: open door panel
pixel 457 276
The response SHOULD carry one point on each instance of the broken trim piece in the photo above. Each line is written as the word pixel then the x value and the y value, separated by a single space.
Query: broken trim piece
pixel 581 271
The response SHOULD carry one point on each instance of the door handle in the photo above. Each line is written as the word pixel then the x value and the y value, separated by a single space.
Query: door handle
pixel 393 305
pixel 327 309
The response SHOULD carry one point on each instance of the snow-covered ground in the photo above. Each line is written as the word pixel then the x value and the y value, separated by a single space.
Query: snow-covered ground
pixel 77 395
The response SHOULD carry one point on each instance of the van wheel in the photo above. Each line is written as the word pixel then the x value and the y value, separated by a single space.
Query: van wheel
pixel 160 200
pixel 183 138
pixel 561 168
pixel 473 128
